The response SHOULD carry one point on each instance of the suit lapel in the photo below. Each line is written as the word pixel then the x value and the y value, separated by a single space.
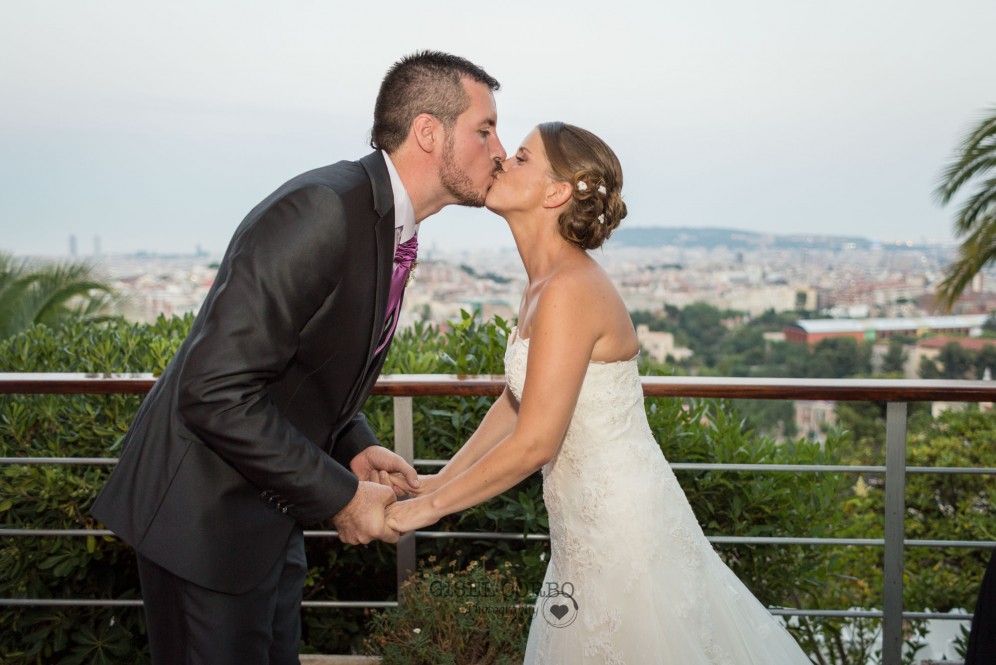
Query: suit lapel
pixel 383 197
pixel 383 237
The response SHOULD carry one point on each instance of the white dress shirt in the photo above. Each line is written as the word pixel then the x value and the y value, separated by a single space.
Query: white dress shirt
pixel 404 211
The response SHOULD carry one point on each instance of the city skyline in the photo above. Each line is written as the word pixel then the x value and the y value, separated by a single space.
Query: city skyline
pixel 157 128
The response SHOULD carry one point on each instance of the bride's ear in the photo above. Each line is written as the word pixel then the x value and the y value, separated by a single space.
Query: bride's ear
pixel 557 194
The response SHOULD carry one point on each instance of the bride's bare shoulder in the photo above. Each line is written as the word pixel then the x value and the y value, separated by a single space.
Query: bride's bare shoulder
pixel 577 291
pixel 584 280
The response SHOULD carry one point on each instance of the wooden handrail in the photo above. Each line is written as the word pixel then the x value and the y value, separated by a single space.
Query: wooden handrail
pixel 428 385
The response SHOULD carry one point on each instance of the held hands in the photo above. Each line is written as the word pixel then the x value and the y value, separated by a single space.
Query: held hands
pixel 379 465
pixel 411 514
pixel 384 476
pixel 427 484
pixel 363 518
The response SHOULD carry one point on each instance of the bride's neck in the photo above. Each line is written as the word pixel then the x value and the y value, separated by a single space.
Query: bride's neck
pixel 540 245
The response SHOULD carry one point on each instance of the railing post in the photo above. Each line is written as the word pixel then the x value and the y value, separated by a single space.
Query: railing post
pixel 404 445
pixel 895 534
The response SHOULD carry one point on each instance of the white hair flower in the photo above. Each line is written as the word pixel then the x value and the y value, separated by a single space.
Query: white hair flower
pixel 602 190
pixel 582 185
pixel 601 219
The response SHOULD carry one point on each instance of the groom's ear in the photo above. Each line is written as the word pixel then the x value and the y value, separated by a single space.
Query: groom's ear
pixel 557 194
pixel 427 131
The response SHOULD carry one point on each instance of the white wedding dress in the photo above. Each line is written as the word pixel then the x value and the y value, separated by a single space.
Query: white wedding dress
pixel 632 579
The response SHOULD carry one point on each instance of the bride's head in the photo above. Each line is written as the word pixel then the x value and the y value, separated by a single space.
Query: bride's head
pixel 567 170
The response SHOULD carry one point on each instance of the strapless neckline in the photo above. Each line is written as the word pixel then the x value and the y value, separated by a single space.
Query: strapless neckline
pixel 514 338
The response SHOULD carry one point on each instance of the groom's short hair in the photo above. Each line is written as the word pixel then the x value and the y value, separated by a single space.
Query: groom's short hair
pixel 424 82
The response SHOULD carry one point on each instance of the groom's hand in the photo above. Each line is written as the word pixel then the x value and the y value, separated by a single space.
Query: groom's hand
pixel 377 464
pixel 362 520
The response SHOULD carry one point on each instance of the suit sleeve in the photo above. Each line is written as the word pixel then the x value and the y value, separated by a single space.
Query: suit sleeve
pixel 356 437
pixel 282 267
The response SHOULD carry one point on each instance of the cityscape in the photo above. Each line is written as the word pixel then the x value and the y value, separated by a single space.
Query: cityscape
pixel 749 273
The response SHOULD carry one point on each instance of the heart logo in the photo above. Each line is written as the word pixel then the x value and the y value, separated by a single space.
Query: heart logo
pixel 559 611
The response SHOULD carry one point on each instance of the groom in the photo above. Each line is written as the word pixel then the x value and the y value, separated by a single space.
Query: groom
pixel 254 431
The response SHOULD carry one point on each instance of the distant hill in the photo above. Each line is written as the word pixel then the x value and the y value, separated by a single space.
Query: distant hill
pixel 684 236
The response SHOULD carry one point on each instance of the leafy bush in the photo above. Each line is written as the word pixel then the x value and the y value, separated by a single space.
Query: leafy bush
pixel 449 616
pixel 58 497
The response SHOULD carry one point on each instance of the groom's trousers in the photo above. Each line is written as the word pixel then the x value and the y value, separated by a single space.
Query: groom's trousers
pixel 190 625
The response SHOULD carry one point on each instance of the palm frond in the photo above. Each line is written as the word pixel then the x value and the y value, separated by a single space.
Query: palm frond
pixel 976 219
pixel 49 294
pixel 958 174
pixel 985 129
pixel 974 253
pixel 975 154
pixel 977 208
pixel 54 304
pixel 10 265
pixel 15 296
pixel 97 303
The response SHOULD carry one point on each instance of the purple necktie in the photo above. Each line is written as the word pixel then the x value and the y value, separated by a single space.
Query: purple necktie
pixel 404 257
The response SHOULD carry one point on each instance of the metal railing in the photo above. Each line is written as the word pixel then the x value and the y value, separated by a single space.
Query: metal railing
pixel 404 388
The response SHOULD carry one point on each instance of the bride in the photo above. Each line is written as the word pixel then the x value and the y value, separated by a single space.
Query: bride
pixel 631 578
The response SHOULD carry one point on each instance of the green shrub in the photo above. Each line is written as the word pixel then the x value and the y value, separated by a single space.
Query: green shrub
pixel 451 616
pixel 59 496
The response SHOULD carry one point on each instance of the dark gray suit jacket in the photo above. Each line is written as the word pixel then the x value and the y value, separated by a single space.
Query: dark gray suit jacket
pixel 252 426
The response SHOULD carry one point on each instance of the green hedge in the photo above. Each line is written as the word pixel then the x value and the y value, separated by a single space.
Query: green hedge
pixel 726 503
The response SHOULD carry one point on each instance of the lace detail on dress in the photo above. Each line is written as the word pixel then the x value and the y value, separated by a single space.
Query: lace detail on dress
pixel 716 653
pixel 591 501
pixel 688 553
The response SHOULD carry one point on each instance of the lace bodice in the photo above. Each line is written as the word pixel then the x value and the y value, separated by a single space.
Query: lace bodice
pixel 611 395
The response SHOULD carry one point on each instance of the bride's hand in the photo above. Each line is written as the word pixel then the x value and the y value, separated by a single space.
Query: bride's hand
pixel 409 515
pixel 402 488
pixel 427 484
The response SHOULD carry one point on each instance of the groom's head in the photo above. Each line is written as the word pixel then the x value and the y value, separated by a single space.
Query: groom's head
pixel 443 104
pixel 425 82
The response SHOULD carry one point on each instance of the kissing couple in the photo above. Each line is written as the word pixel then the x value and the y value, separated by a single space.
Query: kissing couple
pixel 254 430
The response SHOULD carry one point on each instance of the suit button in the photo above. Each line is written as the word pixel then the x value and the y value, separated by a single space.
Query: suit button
pixel 284 509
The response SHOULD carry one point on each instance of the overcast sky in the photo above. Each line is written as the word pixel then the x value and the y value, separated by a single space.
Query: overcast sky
pixel 158 125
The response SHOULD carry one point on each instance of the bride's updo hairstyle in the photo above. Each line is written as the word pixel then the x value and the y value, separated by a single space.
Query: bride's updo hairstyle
pixel 582 159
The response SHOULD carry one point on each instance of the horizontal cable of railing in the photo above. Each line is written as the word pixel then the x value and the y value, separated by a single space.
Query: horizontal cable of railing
pixel 351 604
pixel 498 535
pixel 677 466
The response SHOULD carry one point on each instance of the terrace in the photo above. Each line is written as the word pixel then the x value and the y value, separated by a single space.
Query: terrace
pixel 403 389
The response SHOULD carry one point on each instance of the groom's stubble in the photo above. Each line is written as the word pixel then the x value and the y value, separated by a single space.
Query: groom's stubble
pixel 456 181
